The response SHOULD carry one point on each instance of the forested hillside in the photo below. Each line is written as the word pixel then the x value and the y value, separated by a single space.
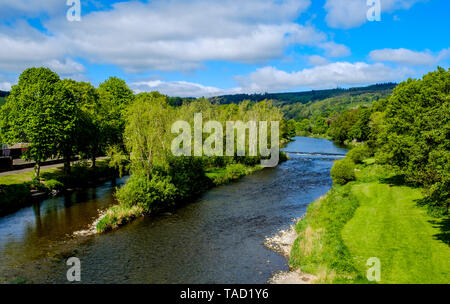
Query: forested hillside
pixel 304 97
pixel 3 95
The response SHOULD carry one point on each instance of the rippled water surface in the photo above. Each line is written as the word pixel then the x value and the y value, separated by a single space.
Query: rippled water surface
pixel 217 239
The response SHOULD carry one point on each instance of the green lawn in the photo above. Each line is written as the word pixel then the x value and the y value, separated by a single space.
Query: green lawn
pixel 372 217
pixel 25 177
pixel 389 225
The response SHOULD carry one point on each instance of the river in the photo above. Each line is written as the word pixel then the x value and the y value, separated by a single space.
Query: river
pixel 219 238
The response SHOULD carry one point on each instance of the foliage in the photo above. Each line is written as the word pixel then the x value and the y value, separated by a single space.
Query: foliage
pixel 416 136
pixel 343 171
pixel 32 114
pixel 359 153
pixel 320 249
pixel 54 184
pixel 114 98
pixel 147 194
pixel 304 97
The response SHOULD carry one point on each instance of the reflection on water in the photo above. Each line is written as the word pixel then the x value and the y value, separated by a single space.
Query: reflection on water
pixel 217 239
pixel 31 231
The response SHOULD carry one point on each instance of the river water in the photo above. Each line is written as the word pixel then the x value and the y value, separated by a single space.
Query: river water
pixel 217 239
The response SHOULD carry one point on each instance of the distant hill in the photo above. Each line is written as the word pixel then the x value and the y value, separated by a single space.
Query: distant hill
pixel 311 104
pixel 3 95
pixel 303 97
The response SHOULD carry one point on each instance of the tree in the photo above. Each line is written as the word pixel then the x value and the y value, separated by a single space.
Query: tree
pixel 90 138
pixel 148 132
pixel 31 115
pixel 114 98
pixel 416 136
pixel 342 125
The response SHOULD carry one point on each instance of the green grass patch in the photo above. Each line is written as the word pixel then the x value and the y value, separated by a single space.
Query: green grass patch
pixel 117 216
pixel 389 225
pixel 320 249
pixel 375 216
pixel 224 175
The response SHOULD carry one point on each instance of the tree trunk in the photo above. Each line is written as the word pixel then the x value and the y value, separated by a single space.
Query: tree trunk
pixel 67 165
pixel 94 160
pixel 37 171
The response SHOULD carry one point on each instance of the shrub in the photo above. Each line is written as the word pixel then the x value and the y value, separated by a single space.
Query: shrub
pixel 53 184
pixel 359 153
pixel 343 171
pixel 235 171
pixel 187 174
pixel 147 194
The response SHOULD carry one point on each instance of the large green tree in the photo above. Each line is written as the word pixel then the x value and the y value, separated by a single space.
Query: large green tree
pixel 32 115
pixel 114 98
pixel 416 136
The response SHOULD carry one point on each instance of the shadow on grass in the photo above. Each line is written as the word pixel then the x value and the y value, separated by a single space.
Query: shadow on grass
pixel 444 227
pixel 52 174
pixel 398 180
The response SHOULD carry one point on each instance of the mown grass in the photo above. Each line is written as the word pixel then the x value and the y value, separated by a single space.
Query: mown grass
pixel 389 225
pixel 20 178
pixel 371 218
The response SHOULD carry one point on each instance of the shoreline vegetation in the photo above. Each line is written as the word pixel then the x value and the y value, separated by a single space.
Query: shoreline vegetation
pixel 390 195
pixel 120 215
pixel 373 216
pixel 159 180
pixel 22 190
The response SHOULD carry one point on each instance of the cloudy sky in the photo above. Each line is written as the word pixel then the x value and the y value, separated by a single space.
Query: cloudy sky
pixel 214 47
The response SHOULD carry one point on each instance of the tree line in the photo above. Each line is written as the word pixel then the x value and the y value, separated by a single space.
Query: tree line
pixel 408 131
pixel 62 117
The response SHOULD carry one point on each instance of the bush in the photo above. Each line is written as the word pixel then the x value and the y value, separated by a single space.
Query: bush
pixel 53 184
pixel 147 194
pixel 187 174
pixel 343 171
pixel 359 153
pixel 235 171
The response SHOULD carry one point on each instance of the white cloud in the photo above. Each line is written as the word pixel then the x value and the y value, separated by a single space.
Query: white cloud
pixel 10 9
pixel 182 35
pixel 317 60
pixel 181 88
pixel 333 49
pixel 270 79
pixel 159 35
pixel 347 14
pixel 5 86
pixel 23 47
pixel 409 57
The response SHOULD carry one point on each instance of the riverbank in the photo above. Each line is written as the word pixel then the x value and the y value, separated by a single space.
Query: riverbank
pixel 20 190
pixel 282 243
pixel 374 216
pixel 121 214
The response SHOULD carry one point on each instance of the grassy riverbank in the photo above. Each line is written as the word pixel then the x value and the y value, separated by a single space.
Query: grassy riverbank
pixel 16 190
pixel 375 216
pixel 122 214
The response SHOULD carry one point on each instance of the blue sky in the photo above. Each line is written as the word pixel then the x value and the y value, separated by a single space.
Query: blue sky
pixel 210 47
